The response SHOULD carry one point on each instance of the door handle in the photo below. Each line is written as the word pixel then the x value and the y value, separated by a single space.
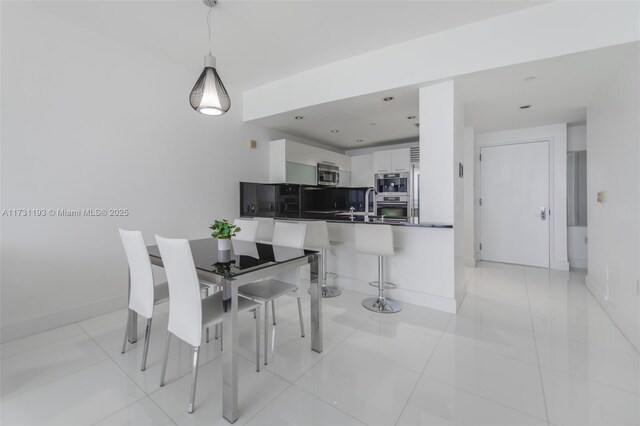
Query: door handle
pixel 543 213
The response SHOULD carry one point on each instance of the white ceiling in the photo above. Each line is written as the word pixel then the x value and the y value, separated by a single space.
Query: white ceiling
pixel 256 41
pixel 560 93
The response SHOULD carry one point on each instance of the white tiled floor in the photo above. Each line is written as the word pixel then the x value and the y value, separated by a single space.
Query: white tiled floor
pixel 529 346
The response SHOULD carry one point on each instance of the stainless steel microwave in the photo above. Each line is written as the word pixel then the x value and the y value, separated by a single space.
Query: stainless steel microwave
pixel 393 183
pixel 328 175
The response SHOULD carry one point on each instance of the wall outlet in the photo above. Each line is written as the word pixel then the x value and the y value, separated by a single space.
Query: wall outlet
pixel 600 197
pixel 253 144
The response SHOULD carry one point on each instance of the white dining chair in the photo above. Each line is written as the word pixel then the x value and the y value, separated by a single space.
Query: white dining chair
pixel 248 230
pixel 285 234
pixel 188 313
pixel 265 228
pixel 317 238
pixel 143 294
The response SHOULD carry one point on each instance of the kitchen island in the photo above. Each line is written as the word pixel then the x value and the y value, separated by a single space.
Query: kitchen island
pixel 422 268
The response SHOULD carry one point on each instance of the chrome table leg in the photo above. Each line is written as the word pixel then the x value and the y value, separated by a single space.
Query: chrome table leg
pixel 230 337
pixel 316 304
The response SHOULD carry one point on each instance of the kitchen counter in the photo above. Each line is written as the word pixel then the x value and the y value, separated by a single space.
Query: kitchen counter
pixel 421 267
pixel 373 220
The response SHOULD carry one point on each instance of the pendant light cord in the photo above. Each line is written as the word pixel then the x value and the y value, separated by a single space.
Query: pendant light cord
pixel 209 26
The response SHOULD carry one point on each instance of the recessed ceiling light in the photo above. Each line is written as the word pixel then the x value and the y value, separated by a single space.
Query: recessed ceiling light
pixel 388 98
pixel 530 78
pixel 335 131
pixel 525 106
pixel 359 140
pixel 299 117
pixel 411 117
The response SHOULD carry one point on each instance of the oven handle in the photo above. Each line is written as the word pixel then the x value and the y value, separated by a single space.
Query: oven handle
pixel 390 203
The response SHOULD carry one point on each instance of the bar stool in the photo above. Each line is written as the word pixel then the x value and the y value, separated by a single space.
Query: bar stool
pixel 317 238
pixel 377 240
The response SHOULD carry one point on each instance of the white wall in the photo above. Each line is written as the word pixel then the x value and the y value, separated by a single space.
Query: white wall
pixel 91 123
pixel 531 34
pixel 576 138
pixel 613 166
pixel 557 136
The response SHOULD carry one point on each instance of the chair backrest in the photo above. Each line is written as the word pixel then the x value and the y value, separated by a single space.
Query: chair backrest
pixel 245 248
pixel 265 228
pixel 375 239
pixel 248 229
pixel 289 234
pixel 185 306
pixel 317 235
pixel 140 273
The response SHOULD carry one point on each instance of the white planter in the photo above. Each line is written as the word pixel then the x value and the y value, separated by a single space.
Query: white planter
pixel 224 244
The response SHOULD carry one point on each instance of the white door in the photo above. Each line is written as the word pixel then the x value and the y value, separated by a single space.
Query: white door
pixel 514 214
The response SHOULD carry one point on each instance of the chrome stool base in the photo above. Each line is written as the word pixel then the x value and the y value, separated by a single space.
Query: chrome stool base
pixel 382 305
pixel 329 292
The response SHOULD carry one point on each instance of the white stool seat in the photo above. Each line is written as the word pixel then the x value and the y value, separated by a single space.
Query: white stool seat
pixel 377 240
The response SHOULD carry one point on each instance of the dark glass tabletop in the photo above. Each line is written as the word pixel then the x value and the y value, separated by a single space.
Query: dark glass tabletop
pixel 244 256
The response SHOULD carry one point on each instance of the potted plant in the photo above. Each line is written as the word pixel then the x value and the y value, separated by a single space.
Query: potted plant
pixel 223 231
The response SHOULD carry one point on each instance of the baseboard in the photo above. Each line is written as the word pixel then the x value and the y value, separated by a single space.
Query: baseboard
pixel 578 263
pixel 629 329
pixel 68 316
pixel 559 265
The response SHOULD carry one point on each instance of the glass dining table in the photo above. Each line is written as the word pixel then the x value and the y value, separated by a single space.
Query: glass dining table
pixel 244 263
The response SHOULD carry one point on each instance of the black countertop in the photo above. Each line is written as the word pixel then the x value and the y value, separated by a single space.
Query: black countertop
pixel 373 220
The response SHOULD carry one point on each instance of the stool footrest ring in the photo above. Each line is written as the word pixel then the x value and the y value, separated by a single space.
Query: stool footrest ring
pixel 387 284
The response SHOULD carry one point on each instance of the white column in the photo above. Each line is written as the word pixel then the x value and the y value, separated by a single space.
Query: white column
pixel 441 188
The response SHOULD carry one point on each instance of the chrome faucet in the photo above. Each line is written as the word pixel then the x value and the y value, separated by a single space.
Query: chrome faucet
pixel 366 202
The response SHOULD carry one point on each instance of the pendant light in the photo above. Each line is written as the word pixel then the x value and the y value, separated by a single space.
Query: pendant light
pixel 208 95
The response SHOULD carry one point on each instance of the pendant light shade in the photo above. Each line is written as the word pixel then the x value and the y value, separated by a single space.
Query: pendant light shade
pixel 208 95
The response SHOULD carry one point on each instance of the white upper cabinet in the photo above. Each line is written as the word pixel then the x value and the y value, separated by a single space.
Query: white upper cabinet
pixel 392 160
pixel 293 162
pixel 401 160
pixel 362 170
pixel 382 162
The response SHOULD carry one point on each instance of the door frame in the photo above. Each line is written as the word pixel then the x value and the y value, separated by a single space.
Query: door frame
pixel 556 135
pixel 549 193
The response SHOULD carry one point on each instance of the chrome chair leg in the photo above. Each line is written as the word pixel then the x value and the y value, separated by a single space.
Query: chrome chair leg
pixel 256 314
pixel 266 333
pixel 221 338
pixel 126 331
pixel 194 379
pixel 300 314
pixel 147 337
pixel 273 310
pixel 166 358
